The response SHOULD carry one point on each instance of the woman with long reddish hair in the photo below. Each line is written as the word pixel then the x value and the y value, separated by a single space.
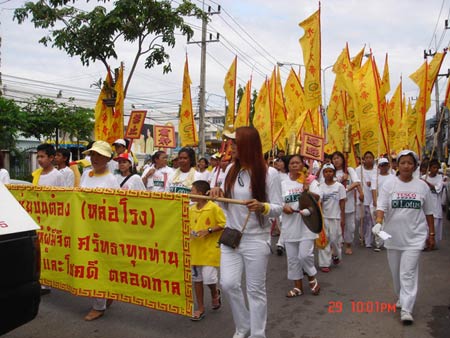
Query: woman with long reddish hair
pixel 248 179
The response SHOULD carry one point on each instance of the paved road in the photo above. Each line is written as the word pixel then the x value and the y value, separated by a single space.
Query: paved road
pixel 353 303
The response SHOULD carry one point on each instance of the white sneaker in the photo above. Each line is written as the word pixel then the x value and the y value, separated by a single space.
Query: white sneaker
pixel 238 334
pixel 406 317
pixel 398 305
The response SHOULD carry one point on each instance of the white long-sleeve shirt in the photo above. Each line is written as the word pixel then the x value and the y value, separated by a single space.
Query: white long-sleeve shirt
pixel 237 213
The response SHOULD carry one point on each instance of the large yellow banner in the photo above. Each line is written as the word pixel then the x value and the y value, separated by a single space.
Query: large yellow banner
pixel 131 246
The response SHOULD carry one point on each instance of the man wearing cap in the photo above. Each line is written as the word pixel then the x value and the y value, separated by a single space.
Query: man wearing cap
pixel 215 171
pixel 120 147
pixel 98 177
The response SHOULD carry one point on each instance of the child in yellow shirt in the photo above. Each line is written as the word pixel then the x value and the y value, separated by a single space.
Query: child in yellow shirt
pixel 207 221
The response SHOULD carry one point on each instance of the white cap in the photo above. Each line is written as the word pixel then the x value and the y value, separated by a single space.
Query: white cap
pixel 120 141
pixel 383 160
pixel 101 147
pixel 408 152
pixel 229 134
pixel 328 166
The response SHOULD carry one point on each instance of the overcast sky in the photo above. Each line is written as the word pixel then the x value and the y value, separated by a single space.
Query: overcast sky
pixel 260 32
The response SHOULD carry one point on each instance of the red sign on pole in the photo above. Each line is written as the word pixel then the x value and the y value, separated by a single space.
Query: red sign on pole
pixel 164 136
pixel 312 146
pixel 135 124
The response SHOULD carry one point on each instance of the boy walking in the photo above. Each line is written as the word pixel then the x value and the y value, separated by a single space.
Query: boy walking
pixel 207 221
pixel 62 158
pixel 333 207
pixel 46 175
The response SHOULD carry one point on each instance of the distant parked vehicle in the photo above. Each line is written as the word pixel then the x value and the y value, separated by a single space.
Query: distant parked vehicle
pixel 20 290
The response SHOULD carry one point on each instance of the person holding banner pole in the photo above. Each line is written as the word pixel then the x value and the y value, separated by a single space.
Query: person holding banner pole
pixel 249 179
pixel 347 176
pixel 298 239
pixel 182 178
pixel 99 177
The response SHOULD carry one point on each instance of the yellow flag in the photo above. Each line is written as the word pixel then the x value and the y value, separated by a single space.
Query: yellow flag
pixel 295 106
pixel 357 59
pixel 279 113
pixel 336 120
pixel 105 114
pixel 411 125
pixel 262 120
pixel 229 86
pixel 186 128
pixel 425 77
pixel 243 114
pixel 447 95
pixel 394 115
pixel 385 81
pixel 369 103
pixel 310 43
pixel 343 69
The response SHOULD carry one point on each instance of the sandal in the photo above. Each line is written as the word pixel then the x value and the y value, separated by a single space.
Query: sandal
pixel 217 301
pixel 197 316
pixel 315 287
pixel 295 292
pixel 94 314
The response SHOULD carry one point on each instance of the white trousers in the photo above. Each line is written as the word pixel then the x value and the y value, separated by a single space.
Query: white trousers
pixel 349 230
pixel 300 257
pixel 99 304
pixel 438 229
pixel 333 231
pixel 251 256
pixel 404 265
pixel 368 224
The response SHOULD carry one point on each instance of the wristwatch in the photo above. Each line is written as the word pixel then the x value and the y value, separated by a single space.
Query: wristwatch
pixel 210 230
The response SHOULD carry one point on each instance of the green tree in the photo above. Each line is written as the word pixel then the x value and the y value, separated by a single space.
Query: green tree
pixel 150 25
pixel 46 119
pixel 240 93
pixel 11 117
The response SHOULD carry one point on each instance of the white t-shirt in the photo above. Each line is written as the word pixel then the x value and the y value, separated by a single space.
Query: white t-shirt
pixel 237 213
pixel 294 230
pixel 351 178
pixel 216 177
pixel 53 178
pixel 331 195
pixel 438 183
pixel 69 176
pixel 368 176
pixel 133 183
pixel 4 176
pixel 382 179
pixel 158 181
pixel 204 176
pixel 181 182
pixel 106 180
pixel 404 205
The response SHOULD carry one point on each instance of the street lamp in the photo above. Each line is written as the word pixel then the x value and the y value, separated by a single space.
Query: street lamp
pixel 281 64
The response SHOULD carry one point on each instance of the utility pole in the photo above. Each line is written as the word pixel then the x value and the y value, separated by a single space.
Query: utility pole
pixel 439 111
pixel 1 85
pixel 202 93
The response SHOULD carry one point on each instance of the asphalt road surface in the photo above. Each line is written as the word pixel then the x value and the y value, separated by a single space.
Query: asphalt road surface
pixel 356 300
